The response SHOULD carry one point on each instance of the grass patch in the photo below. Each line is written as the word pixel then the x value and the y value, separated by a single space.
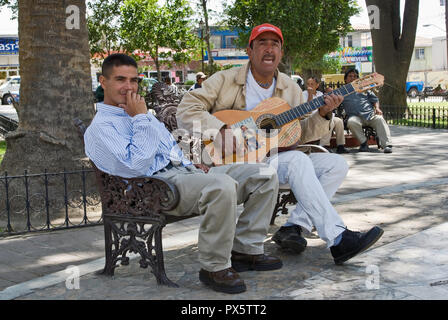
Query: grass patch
pixel 436 105
pixel 420 123
pixel 2 149
pixel 420 114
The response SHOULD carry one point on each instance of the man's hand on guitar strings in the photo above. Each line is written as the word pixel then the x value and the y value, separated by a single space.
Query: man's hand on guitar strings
pixel 332 101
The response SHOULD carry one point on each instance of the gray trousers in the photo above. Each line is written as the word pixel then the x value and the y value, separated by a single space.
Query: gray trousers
pixel 355 123
pixel 215 195
pixel 336 125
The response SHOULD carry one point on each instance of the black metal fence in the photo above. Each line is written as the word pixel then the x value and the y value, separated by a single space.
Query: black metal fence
pixel 428 116
pixel 48 201
pixel 7 124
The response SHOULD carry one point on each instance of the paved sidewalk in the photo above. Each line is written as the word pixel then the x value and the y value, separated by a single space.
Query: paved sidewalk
pixel 404 192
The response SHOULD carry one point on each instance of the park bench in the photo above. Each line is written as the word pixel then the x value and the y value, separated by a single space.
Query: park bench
pixel 369 132
pixel 430 92
pixel 134 209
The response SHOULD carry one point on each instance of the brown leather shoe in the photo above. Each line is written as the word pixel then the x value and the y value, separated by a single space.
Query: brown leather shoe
pixel 227 280
pixel 259 262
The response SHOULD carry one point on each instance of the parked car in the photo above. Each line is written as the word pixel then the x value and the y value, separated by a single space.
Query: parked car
pixel 15 96
pixel 298 79
pixel 414 88
pixel 12 85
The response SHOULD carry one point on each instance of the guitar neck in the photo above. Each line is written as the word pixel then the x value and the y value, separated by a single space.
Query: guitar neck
pixel 312 105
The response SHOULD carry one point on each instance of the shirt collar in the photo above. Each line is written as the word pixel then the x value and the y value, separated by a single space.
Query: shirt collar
pixel 241 77
pixel 106 108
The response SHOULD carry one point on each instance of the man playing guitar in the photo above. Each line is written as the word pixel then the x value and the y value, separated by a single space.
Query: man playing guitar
pixel 313 179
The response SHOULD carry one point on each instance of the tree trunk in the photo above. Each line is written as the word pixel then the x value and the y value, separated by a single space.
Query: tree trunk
pixel 55 88
pixel 285 65
pixel 157 64
pixel 393 47
pixel 207 39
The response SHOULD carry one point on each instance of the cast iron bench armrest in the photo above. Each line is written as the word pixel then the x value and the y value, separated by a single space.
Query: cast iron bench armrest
pixel 144 196
pixel 310 148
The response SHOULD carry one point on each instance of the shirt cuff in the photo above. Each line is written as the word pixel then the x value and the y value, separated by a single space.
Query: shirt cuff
pixel 140 117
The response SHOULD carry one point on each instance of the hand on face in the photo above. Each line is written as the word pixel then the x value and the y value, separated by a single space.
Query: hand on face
pixel 311 90
pixel 120 89
pixel 135 104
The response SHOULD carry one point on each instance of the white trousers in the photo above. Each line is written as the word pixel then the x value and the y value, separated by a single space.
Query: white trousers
pixel 313 179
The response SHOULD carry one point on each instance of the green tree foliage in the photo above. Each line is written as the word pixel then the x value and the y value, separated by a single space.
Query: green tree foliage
pixel 102 23
pixel 326 65
pixel 11 4
pixel 148 27
pixel 310 28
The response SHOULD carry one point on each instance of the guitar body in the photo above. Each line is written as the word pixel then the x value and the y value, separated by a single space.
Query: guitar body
pixel 258 143
pixel 273 126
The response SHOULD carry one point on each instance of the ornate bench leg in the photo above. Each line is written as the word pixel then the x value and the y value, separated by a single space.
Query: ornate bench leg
pixel 276 209
pixel 282 202
pixel 159 267
pixel 131 236
pixel 110 264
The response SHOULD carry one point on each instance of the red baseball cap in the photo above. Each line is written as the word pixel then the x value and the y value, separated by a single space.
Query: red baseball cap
pixel 265 27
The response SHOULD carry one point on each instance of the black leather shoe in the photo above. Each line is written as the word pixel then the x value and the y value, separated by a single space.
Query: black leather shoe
pixel 341 149
pixel 353 243
pixel 290 238
pixel 388 149
pixel 259 262
pixel 364 147
pixel 227 280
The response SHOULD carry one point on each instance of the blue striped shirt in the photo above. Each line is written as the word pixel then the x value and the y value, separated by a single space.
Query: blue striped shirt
pixel 130 146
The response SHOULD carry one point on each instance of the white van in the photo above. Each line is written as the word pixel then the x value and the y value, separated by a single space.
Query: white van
pixel 9 87
pixel 296 77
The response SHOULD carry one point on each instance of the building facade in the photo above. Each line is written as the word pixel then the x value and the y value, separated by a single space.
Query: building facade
pixel 428 63
pixel 9 56
pixel 225 51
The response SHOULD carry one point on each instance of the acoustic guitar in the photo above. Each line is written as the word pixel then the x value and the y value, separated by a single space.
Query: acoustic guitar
pixel 273 126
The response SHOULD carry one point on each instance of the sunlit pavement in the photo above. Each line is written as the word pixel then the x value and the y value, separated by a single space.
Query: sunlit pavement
pixel 405 193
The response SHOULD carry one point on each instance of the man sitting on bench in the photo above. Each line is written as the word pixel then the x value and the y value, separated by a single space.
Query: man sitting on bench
pixel 363 109
pixel 126 140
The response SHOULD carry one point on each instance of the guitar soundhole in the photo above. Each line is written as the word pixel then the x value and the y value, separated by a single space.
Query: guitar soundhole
pixel 268 127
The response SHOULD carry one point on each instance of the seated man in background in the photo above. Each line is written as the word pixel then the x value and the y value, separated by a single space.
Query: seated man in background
pixel 126 140
pixel 200 77
pixel 171 85
pixel 363 109
pixel 336 124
